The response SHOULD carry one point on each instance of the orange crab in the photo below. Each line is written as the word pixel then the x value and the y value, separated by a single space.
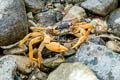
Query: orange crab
pixel 80 30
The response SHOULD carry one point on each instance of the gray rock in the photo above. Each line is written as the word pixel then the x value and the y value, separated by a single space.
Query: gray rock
pixel 104 62
pixel 100 7
pixel 72 71
pixel 7 68
pixel 13 21
pixel 34 6
pixel 37 75
pixel 114 22
pixel 75 11
pixel 46 18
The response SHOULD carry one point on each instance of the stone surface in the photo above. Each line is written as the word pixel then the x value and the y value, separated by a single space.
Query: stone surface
pixel 100 7
pixel 46 18
pixel 37 75
pixel 34 6
pixel 75 11
pixel 72 71
pixel 24 64
pixel 104 62
pixel 114 22
pixel 7 68
pixel 13 21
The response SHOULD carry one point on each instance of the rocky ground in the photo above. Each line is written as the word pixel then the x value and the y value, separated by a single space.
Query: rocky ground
pixel 97 58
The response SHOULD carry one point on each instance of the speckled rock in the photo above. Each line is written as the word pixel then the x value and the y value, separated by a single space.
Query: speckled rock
pixel 7 68
pixel 75 11
pixel 13 21
pixel 34 6
pixel 37 75
pixel 104 62
pixel 114 22
pixel 46 18
pixel 72 71
pixel 101 7
pixel 24 64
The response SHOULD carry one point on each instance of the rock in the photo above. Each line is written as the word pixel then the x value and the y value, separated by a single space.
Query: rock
pixel 72 71
pixel 7 68
pixel 100 7
pixel 13 21
pixel 34 6
pixel 113 45
pixel 114 22
pixel 104 62
pixel 54 61
pixel 37 75
pixel 46 19
pixel 24 64
pixel 15 50
pixel 75 11
pixel 99 26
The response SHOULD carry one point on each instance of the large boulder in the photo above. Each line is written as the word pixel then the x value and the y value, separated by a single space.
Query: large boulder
pixel 13 21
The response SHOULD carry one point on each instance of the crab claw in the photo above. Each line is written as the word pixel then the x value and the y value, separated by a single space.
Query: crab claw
pixel 56 47
pixel 53 46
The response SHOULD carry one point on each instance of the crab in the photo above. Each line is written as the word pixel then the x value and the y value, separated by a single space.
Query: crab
pixel 46 35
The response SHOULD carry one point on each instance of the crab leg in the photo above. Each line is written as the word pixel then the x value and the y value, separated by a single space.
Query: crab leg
pixel 53 46
pixel 85 34
pixel 87 26
pixel 37 28
pixel 29 35
pixel 39 53
pixel 33 41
